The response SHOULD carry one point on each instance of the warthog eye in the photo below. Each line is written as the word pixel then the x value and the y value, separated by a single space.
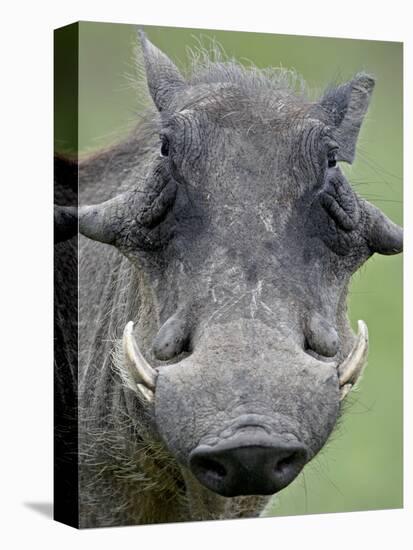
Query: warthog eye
pixel 164 145
pixel 332 158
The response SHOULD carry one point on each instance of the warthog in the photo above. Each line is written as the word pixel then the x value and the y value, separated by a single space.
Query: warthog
pixel 215 347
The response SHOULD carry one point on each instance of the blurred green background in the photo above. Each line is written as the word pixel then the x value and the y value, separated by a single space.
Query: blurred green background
pixel 361 466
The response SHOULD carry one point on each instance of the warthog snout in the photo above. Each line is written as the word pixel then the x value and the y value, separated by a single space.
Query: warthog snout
pixel 248 465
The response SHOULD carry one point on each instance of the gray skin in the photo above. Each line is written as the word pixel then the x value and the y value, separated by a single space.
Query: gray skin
pixel 232 253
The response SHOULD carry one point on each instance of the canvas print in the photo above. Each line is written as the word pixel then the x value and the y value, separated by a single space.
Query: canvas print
pixel 227 249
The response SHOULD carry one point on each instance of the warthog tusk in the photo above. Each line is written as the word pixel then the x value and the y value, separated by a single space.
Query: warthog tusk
pixel 143 373
pixel 350 369
pixel 148 394
pixel 345 390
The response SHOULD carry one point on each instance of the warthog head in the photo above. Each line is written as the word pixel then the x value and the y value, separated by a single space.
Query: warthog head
pixel 247 233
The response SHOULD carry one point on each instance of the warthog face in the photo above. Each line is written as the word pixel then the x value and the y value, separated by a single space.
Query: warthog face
pixel 247 233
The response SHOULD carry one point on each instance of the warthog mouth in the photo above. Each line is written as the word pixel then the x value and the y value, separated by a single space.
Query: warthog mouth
pixel 142 376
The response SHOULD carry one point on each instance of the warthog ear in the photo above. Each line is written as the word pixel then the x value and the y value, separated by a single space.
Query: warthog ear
pixel 345 107
pixel 163 77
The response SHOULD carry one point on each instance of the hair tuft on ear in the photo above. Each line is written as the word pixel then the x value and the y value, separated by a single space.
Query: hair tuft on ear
pixel 345 107
pixel 163 77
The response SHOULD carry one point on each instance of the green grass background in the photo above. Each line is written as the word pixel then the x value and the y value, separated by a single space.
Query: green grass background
pixel 361 467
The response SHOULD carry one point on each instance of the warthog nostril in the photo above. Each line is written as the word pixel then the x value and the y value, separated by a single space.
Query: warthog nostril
pixel 212 467
pixel 287 464
pixel 283 465
pixel 236 468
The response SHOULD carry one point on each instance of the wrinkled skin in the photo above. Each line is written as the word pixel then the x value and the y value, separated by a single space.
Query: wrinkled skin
pixel 231 252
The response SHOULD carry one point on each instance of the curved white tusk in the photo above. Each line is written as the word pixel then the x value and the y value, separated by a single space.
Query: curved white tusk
pixel 147 394
pixel 142 372
pixel 350 369
pixel 345 390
